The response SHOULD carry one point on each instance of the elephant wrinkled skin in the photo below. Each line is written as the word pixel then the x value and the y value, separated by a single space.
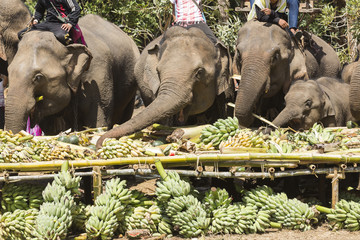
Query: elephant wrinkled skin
pixel 81 86
pixel 14 16
pixel 324 100
pixel 268 61
pixel 184 73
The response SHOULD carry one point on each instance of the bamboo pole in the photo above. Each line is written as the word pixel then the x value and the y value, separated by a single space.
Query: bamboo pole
pixel 185 160
pixel 97 182
pixel 335 189
pixel 38 177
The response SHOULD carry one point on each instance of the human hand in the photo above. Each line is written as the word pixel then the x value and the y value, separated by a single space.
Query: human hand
pixel 66 26
pixel 34 22
pixel 283 23
pixel 267 11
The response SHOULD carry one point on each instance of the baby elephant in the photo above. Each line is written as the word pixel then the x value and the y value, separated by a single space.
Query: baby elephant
pixel 323 100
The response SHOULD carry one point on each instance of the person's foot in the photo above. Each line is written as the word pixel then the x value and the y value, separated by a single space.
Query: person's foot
pixel 297 33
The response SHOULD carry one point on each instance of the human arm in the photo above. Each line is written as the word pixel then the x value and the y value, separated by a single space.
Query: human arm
pixel 39 12
pixel 74 15
pixel 269 15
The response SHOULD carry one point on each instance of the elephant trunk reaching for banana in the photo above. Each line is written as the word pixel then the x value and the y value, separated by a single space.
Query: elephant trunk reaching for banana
pixel 167 102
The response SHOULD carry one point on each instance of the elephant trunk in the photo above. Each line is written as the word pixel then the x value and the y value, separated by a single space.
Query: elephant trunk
pixel 16 114
pixel 255 79
pixel 168 103
pixel 285 116
pixel 354 96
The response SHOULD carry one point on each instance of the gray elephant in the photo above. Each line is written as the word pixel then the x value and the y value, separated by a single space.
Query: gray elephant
pixel 183 74
pixel 14 16
pixel 268 61
pixel 82 86
pixel 324 100
pixel 347 72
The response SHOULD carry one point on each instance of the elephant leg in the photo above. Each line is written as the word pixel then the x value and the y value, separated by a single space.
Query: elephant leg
pixel 128 111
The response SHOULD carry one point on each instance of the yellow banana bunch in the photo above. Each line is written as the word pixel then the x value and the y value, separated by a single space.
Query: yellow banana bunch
pixel 245 138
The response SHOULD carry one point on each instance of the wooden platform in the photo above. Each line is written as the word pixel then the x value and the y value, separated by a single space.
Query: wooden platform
pixel 305 7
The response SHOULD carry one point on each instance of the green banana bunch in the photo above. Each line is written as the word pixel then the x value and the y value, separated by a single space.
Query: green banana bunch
pixel 293 214
pixel 181 204
pixel 54 191
pixel 124 147
pixel 144 218
pixel 111 203
pixel 139 199
pixel 102 223
pixel 258 196
pixel 80 214
pixel 220 131
pixel 225 220
pixel 262 221
pixel 21 196
pixel 165 226
pixel 246 219
pixel 116 188
pixel 53 221
pixel 172 186
pixel 216 198
pixel 350 196
pixel 18 225
pixel 70 182
pixel 192 222
pixel 345 215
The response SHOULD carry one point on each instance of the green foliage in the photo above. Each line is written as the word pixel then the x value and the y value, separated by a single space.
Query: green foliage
pixel 144 20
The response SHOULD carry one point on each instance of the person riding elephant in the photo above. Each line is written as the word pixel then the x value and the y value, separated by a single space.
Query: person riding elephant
pixel 14 16
pixel 269 61
pixel 180 74
pixel 324 100
pixel 274 11
pixel 73 86
pixel 61 19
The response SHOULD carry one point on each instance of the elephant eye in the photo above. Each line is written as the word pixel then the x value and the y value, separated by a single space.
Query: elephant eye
pixel 308 103
pixel 38 77
pixel 200 72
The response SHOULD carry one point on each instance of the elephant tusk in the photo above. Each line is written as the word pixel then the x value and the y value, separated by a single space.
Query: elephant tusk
pixel 39 98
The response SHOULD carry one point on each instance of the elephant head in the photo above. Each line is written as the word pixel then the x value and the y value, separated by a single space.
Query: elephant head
pixel 265 58
pixel 14 16
pixel 354 95
pixel 306 103
pixel 182 72
pixel 45 68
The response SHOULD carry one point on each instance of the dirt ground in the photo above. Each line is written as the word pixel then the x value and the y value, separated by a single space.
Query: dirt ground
pixel 321 233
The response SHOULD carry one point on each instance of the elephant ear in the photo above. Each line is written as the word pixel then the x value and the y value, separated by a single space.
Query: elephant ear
pixel 151 77
pixel 329 110
pixel 224 83
pixel 2 49
pixel 297 65
pixel 77 62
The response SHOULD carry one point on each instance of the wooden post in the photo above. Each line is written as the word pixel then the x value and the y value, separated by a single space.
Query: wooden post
pixel 335 188
pixel 97 181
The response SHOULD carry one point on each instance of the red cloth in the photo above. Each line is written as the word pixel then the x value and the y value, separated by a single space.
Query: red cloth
pixel 77 35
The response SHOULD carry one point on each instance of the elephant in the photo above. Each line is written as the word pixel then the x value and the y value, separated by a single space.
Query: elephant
pixel 268 60
pixel 14 15
pixel 324 100
pixel 347 72
pixel 73 86
pixel 181 73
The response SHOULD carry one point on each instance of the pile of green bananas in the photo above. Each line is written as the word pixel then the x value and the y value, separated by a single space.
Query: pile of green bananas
pixel 245 138
pixel 293 214
pixel 71 183
pixel 284 146
pixel 80 214
pixel 316 134
pixel 220 131
pixel 18 225
pixel 172 186
pixel 54 220
pixel 21 196
pixel 258 197
pixel 345 215
pixel 215 198
pixel 123 147
pixel 144 218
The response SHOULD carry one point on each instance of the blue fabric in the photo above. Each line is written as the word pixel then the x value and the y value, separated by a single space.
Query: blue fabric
pixel 293 6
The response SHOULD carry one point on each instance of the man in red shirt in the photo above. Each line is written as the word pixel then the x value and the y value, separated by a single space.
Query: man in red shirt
pixel 188 13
